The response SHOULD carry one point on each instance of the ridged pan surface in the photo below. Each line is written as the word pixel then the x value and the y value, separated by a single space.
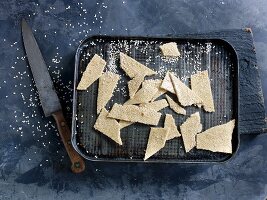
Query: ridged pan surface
pixel 216 56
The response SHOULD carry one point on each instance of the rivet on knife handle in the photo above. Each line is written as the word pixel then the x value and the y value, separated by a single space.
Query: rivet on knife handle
pixel 65 134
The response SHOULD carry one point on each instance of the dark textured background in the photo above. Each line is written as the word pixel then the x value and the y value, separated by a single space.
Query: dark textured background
pixel 33 163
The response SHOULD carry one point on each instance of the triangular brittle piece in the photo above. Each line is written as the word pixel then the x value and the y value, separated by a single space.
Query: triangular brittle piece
pixel 107 83
pixel 170 49
pixel 184 94
pixel 157 83
pixel 156 141
pixel 93 71
pixel 158 94
pixel 217 138
pixel 134 113
pixel 134 84
pixel 167 83
pixel 189 130
pixel 200 84
pixel 124 124
pixel 108 126
pixel 133 67
pixel 155 105
pixel 175 106
pixel 170 124
pixel 144 95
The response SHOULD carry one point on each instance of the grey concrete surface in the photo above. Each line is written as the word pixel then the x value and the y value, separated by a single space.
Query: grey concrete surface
pixel 33 163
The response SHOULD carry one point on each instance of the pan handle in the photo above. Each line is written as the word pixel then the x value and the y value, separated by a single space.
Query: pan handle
pixel 77 161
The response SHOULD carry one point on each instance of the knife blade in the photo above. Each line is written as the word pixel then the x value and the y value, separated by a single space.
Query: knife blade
pixel 47 94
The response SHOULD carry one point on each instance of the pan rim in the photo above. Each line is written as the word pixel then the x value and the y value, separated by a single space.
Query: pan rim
pixel 151 160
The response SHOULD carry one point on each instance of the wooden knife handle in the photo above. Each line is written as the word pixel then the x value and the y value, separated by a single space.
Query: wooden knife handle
pixel 77 161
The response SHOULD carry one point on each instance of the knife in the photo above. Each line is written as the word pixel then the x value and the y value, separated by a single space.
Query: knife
pixel 48 96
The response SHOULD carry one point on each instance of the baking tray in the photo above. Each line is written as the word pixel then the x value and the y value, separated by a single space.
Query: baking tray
pixel 215 55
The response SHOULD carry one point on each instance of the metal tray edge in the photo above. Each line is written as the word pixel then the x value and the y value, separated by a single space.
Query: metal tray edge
pixel 191 37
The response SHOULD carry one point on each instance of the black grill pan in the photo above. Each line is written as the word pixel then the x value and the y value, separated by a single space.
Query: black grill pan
pixel 215 55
